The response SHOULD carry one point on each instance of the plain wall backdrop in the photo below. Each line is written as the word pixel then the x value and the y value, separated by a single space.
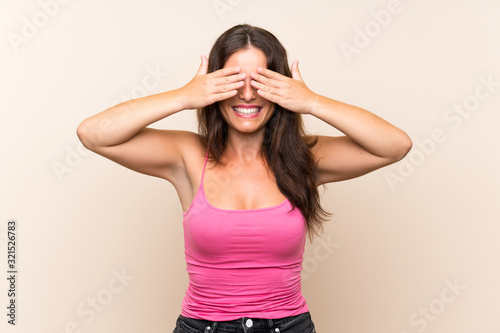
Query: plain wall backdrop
pixel 411 248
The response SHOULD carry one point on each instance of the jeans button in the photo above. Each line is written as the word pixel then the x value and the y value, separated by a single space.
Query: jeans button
pixel 249 323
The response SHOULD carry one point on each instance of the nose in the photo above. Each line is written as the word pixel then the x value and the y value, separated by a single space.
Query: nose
pixel 247 92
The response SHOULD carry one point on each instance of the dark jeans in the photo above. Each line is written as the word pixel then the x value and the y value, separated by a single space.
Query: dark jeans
pixel 295 324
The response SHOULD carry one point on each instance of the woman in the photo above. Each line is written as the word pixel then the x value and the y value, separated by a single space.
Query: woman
pixel 248 181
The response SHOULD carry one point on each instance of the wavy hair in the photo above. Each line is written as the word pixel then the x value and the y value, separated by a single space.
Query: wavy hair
pixel 286 147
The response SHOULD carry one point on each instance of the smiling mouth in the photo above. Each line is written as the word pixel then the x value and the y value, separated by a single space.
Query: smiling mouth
pixel 247 111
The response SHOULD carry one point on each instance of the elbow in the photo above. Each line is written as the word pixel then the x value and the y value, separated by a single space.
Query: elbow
pixel 403 146
pixel 86 135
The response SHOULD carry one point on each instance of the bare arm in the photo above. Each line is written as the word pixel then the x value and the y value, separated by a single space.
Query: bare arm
pixel 369 142
pixel 120 133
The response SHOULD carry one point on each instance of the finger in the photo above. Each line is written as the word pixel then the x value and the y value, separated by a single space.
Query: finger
pixel 229 87
pixel 203 66
pixel 269 96
pixel 270 74
pixel 264 87
pixel 230 79
pixel 226 72
pixel 265 80
pixel 225 95
pixel 295 71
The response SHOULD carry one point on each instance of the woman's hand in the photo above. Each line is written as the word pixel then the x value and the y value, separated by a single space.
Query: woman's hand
pixel 205 89
pixel 290 93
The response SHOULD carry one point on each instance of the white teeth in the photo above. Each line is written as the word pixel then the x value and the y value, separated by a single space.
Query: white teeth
pixel 247 111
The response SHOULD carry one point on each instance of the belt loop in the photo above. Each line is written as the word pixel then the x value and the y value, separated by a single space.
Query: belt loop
pixel 270 323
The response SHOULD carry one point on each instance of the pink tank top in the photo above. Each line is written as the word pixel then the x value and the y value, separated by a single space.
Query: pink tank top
pixel 243 263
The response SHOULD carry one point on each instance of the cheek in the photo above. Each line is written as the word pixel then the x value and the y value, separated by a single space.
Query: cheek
pixel 224 112
pixel 270 106
pixel 224 107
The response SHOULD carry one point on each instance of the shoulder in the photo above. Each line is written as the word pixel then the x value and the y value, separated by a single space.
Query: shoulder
pixel 179 152
pixel 191 148
pixel 189 151
pixel 185 142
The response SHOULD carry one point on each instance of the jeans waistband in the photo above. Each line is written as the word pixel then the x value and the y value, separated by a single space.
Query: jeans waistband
pixel 243 324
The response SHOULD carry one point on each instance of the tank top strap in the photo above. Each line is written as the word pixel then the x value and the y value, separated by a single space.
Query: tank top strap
pixel 204 167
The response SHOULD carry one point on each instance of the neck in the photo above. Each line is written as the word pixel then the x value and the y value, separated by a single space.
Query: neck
pixel 244 146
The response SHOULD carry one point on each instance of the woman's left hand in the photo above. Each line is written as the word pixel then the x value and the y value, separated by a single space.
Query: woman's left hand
pixel 290 93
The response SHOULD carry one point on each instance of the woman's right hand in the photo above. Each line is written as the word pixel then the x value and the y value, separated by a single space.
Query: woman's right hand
pixel 205 89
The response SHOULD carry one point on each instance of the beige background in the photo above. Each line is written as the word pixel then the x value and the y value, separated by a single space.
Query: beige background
pixel 411 248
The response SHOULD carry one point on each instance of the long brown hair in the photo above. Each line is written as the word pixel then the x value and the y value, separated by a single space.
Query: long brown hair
pixel 286 147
